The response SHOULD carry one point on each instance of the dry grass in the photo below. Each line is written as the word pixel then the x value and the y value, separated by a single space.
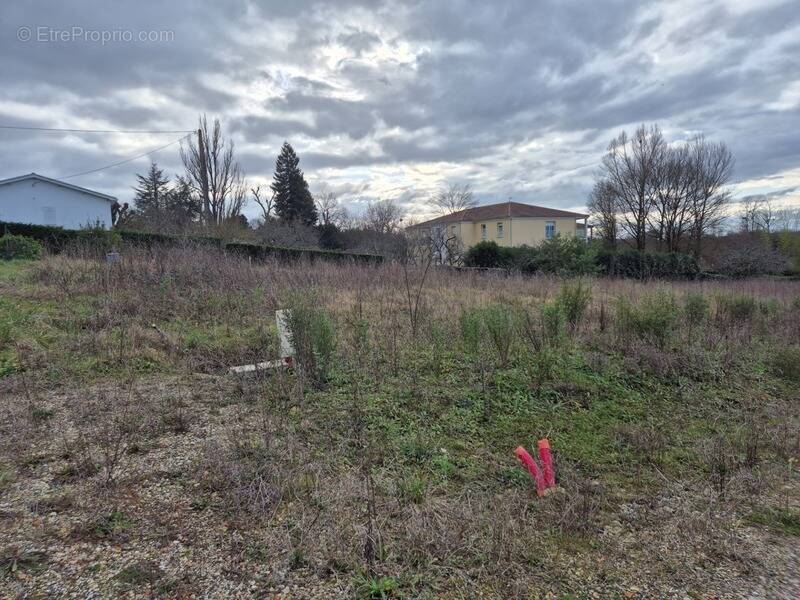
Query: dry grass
pixel 394 471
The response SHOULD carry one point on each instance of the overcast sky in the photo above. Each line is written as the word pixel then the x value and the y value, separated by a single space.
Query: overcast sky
pixel 394 99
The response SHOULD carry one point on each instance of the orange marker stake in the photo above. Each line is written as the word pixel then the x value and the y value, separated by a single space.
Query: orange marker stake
pixel 547 463
pixel 527 460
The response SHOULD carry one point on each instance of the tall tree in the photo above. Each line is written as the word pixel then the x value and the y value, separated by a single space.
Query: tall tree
pixel 293 200
pixel 454 198
pixel 712 166
pixel 329 210
pixel 150 194
pixel 628 167
pixel 603 206
pixel 383 216
pixel 672 184
pixel 218 166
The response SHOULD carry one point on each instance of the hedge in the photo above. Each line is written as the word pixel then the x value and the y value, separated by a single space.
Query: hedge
pixel 638 264
pixel 55 239
pixel 572 256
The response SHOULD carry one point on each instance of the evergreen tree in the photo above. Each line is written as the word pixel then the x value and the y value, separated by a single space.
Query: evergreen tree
pixel 293 200
pixel 151 194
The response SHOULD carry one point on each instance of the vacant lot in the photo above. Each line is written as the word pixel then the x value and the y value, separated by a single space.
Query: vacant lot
pixel 133 465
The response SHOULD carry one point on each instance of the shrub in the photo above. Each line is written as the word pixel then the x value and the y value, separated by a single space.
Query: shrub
pixel 696 308
pixel 653 321
pixel 646 265
pixel 312 336
pixel 751 257
pixel 553 321
pixel 568 256
pixel 487 255
pixel 19 247
pixel 785 363
pixel 736 308
pixel 499 323
pixel 574 298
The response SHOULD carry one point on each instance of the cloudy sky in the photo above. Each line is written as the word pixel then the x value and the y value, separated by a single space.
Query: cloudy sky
pixel 392 99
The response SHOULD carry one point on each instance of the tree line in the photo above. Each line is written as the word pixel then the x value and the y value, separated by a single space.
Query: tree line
pixel 648 188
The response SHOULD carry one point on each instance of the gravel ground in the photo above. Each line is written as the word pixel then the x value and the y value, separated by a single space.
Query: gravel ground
pixel 158 532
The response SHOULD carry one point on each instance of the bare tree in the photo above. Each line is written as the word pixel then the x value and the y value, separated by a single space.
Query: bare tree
pixel 712 166
pixel 454 198
pixel 672 184
pixel 265 200
pixel 329 212
pixel 603 206
pixel 226 185
pixel 787 219
pixel 383 216
pixel 628 167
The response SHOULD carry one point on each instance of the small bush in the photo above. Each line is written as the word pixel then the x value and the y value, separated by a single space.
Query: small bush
pixel 736 308
pixel 574 298
pixel 653 321
pixel 19 247
pixel 696 308
pixel 311 332
pixel 785 363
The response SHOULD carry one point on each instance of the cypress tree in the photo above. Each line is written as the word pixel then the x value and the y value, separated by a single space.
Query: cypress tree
pixel 293 200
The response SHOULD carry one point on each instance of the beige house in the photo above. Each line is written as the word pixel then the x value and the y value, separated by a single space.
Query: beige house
pixel 507 223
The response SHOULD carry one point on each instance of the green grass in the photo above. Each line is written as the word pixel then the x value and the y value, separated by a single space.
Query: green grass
pixel 780 520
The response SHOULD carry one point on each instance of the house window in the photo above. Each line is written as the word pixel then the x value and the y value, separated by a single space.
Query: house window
pixel 483 231
pixel 549 229
pixel 499 231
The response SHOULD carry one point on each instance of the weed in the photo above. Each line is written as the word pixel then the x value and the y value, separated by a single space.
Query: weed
pixel 785 362
pixel 140 573
pixel 312 336
pixel 553 321
pixel 574 298
pixel 14 560
pixel 736 308
pixel 471 330
pixel 778 519
pixel 696 308
pixel 371 588
pixel 653 321
pixel 499 322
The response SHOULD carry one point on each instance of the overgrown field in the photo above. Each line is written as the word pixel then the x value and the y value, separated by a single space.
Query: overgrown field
pixel 132 464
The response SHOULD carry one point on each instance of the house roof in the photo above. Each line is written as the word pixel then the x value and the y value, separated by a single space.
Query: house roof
pixel 502 210
pixel 59 183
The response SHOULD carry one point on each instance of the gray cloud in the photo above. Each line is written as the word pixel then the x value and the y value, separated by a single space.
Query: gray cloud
pixel 398 97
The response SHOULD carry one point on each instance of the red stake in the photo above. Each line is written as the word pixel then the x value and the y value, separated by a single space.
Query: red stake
pixel 527 460
pixel 547 463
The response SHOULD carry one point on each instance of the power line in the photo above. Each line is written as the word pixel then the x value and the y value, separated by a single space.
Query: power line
pixel 127 160
pixel 95 130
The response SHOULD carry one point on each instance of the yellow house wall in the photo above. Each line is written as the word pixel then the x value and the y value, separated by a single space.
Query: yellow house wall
pixel 516 232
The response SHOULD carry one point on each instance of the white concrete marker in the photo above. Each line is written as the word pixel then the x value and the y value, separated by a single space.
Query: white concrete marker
pixel 282 321
pixel 286 348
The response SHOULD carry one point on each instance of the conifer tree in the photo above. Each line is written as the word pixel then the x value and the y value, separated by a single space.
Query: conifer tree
pixel 293 200
pixel 151 193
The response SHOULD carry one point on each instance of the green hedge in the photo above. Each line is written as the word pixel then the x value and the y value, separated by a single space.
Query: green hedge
pixel 55 239
pixel 19 247
pixel 573 256
pixel 645 265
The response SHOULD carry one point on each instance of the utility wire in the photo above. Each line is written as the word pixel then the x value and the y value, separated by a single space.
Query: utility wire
pixel 94 130
pixel 127 160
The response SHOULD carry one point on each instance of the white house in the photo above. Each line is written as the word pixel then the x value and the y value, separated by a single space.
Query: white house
pixel 39 200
